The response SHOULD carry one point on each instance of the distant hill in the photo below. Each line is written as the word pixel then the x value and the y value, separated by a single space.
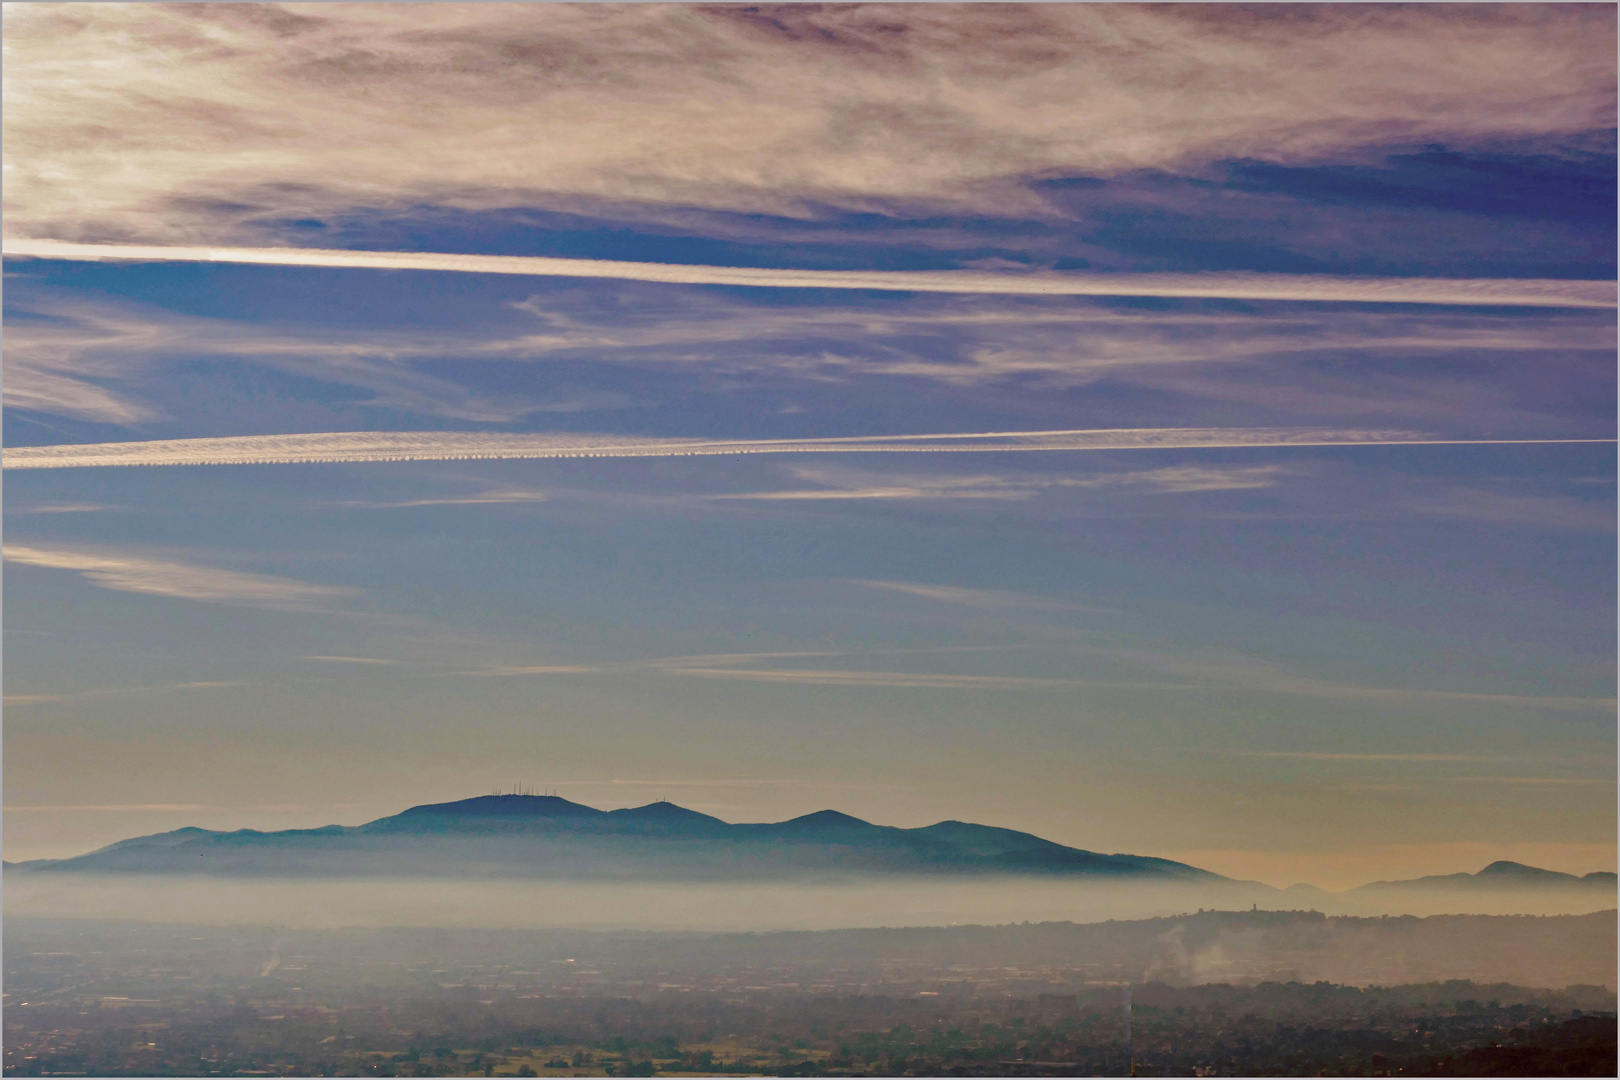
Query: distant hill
pixel 1500 876
pixel 547 836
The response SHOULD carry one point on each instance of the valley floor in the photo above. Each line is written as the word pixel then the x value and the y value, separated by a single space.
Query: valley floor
pixel 155 1000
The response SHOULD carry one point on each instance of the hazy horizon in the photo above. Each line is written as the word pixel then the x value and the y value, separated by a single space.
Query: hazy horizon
pixel 643 884
pixel 731 906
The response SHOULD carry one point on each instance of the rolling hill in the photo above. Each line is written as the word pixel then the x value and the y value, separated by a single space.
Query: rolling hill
pixel 546 836
pixel 542 837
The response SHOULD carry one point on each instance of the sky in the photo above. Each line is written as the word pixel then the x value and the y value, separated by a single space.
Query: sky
pixel 1184 430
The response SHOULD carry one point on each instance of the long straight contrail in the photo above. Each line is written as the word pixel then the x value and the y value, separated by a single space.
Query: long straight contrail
pixel 354 446
pixel 1515 292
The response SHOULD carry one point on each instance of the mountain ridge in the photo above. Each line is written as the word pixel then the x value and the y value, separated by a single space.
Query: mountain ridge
pixel 1502 874
pixel 545 835
pixel 548 836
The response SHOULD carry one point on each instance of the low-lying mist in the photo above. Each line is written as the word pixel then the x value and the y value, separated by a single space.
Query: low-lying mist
pixel 805 904
pixel 1224 993
pixel 638 905
pixel 1234 947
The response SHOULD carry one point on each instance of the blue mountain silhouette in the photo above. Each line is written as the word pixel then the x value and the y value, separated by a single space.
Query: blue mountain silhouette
pixel 547 836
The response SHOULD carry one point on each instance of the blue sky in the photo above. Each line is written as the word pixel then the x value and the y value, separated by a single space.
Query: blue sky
pixel 1323 662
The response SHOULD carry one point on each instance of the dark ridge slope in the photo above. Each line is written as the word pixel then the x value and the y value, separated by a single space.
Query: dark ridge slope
pixel 547 836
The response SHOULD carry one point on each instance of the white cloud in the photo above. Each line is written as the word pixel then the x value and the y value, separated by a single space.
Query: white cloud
pixel 120 808
pixel 839 484
pixel 1313 755
pixel 29 385
pixel 1182 479
pixel 52 357
pixel 871 493
pixel 1212 672
pixel 64 508
pixel 719 782
pixel 1534 780
pixel 535 669
pixel 730 667
pixel 118 691
pixel 973 340
pixel 1533 511
pixel 90 360
pixel 860 484
pixel 904 679
pixel 57 365
pixel 979 598
pixel 149 120
pixel 354 446
pixel 1241 286
pixel 711 659
pixel 185 581
pixel 496 497
pixel 349 660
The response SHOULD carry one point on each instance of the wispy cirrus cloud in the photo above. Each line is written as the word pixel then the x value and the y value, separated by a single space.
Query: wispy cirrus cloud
pixel 534 669
pixel 201 121
pixel 89 360
pixel 842 484
pixel 1185 479
pixel 1550 781
pixel 61 365
pixel 355 446
pixel 936 491
pixel 1500 508
pixel 977 598
pixel 898 679
pixel 31 385
pixel 118 691
pixel 125 572
pixel 102 361
pixel 1229 672
pixel 65 508
pixel 1438 776
pixel 112 808
pixel 492 497
pixel 767 667
pixel 1229 286
pixel 1320 755
pixel 1156 672
pixel 718 782
pixel 967 339
pixel 861 484
pixel 164 807
pixel 1163 672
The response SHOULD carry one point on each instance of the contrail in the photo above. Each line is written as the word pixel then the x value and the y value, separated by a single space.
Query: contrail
pixel 355 446
pixel 1517 292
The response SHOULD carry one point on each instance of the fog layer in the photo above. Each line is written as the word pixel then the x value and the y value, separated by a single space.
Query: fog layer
pixel 806 905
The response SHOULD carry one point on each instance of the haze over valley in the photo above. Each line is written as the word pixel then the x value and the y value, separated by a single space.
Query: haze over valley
pixel 538 860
